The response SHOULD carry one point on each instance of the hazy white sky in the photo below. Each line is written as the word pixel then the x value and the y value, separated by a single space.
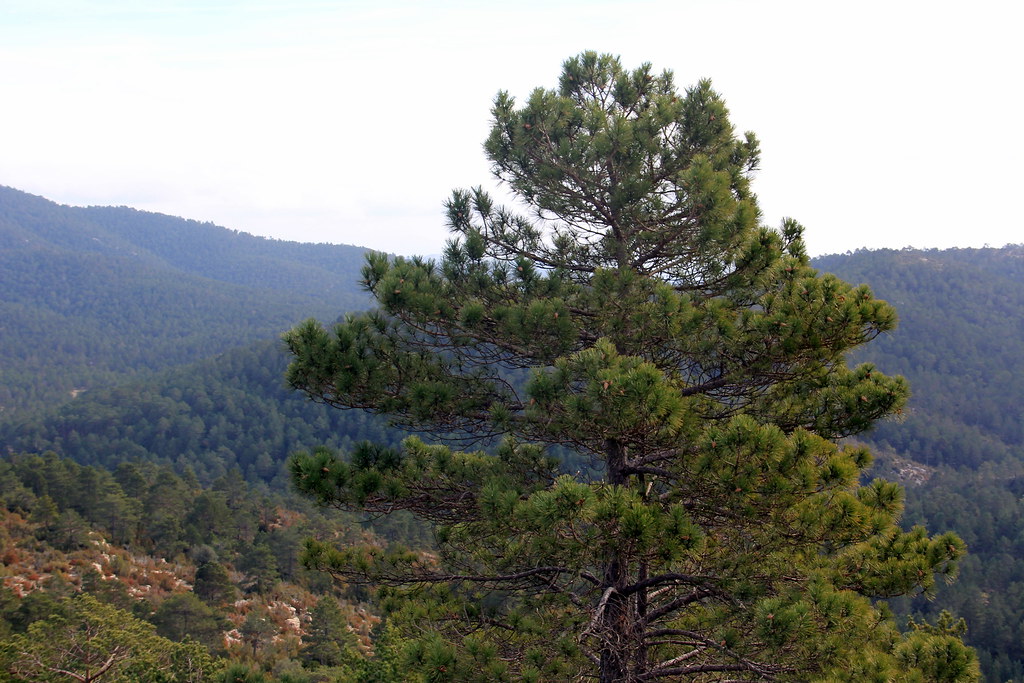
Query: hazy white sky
pixel 882 123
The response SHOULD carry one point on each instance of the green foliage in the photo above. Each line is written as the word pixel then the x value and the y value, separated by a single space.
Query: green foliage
pixel 184 615
pixel 968 406
pixel 388 663
pixel 230 411
pixel 257 630
pixel 212 584
pixel 34 607
pixel 111 592
pixel 938 651
pixel 329 641
pixel 694 356
pixel 92 641
pixel 253 530
pixel 241 673
pixel 258 562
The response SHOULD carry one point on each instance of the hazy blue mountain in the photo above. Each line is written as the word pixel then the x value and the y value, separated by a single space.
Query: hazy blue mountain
pixel 28 222
pixel 92 295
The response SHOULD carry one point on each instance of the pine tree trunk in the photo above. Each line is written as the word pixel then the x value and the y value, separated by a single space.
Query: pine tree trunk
pixel 615 619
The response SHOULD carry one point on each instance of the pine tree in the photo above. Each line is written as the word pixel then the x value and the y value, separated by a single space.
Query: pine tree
pixel 212 584
pixel 257 630
pixel 87 640
pixel 329 641
pixel 258 562
pixel 640 322
pixel 184 615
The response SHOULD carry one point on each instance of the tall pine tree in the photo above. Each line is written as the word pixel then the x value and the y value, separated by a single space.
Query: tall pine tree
pixel 633 316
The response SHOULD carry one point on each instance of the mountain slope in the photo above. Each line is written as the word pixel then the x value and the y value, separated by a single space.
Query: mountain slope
pixel 177 244
pixel 232 410
pixel 91 296
pixel 169 325
pixel 960 343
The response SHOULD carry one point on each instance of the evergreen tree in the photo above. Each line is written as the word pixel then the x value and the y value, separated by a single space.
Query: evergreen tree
pixel 112 593
pixel 257 630
pixel 69 532
pixel 386 665
pixel 213 585
pixel 691 355
pixel 34 607
pixel 329 641
pixel 184 615
pixel 88 640
pixel 257 561
pixel 240 673
pixel 45 513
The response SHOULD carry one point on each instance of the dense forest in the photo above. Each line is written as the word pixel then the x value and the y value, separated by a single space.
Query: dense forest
pixel 140 362
pixel 176 582
pixel 960 342
pixel 231 410
pixel 94 295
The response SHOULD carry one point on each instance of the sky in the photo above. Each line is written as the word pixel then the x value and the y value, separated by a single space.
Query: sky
pixel 882 124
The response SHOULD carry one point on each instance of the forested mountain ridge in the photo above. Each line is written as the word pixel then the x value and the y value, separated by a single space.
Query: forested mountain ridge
pixel 960 343
pixel 94 295
pixel 188 246
pixel 103 299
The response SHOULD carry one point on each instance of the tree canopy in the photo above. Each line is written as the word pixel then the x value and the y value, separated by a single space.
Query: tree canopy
pixel 632 310
pixel 93 641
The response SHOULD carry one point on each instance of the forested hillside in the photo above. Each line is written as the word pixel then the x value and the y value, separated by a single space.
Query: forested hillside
pixel 95 295
pixel 168 581
pixel 960 342
pixel 166 331
pixel 232 410
pixel 147 346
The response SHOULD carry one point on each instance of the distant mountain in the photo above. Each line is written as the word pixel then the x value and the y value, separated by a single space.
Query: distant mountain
pixel 89 296
pixel 960 343
pixel 165 331
pixel 231 410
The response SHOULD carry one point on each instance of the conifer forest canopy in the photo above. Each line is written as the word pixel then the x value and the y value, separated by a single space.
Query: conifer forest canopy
pixel 632 315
